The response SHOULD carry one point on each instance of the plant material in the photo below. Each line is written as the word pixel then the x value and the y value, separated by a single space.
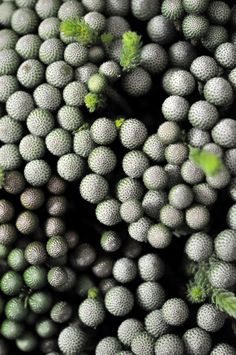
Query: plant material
pixel 94 101
pixel 225 301
pixel 79 29
pixel 131 50
pixel 209 162
pixel 106 39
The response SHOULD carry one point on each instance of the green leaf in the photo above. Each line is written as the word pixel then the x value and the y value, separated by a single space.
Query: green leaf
pixel 225 301
pixel 209 162
pixel 79 29
pixel 93 293
pixel 119 122
pixel 131 50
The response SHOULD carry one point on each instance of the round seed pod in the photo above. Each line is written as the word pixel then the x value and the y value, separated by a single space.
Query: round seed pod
pixel 180 196
pixel 210 318
pixel 14 182
pixel 27 222
pixel 69 117
pixel 197 217
pixel 24 20
pixel 169 132
pixel 40 302
pixel 15 310
pixel 182 54
pixel 49 28
pixel 161 30
pixel 51 51
pixel 135 163
pixel 72 9
pixel 56 185
pixel 110 241
pixel 176 153
pixel 8 85
pixel 143 343
pixel 54 226
pixel 171 217
pixel 35 277
pixel 70 167
pixel 169 344
pixel 225 245
pixel 11 283
pixel 31 73
pixel 56 246
pixel 8 234
pixel 222 275
pixel 128 188
pixel 137 82
pixel 108 212
pixel 199 247
pixel 197 341
pixel 16 259
pixel 6 211
pixel 151 267
pixel 203 115
pixel 28 46
pixel 57 276
pixel 11 330
pixel 204 68
pixel 59 142
pixel 35 253
pixel 45 328
pixel 102 267
pixel 47 97
pixel 37 172
pixel 74 93
pixel 138 230
pixel 178 82
pixel 195 27
pixel 40 122
pixel 155 324
pixel 84 256
pixel 57 205
pixel 215 36
pixel 124 270
pixel 91 312
pixel 32 198
pixel 111 70
pixel 131 210
pixel 175 311
pixel 110 343
pixel 59 74
pixel 154 58
pixel 159 236
pixel 119 301
pixel 10 61
pixel 103 131
pixel 218 12
pixel 218 91
pixel 152 203
pixel 150 295
pixel 175 108
pixel 128 329
pixel 154 149
pixel 223 348
pixel 61 312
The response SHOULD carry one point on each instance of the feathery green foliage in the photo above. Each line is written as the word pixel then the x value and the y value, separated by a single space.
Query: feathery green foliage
pixel 94 101
pixel 106 39
pixel 131 50
pixel 210 163
pixel 79 29
pixel 119 122
pixel 225 301
pixel 198 289
pixel 93 293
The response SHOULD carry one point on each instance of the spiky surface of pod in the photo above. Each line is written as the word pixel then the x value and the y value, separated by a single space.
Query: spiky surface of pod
pixel 210 318
pixel 108 212
pixel 223 349
pixel 91 312
pixel 169 344
pixel 124 270
pixel 109 345
pixel 155 324
pixel 161 30
pixel 159 236
pixel 222 274
pixel 72 339
pixel 143 343
pixel 197 341
pixel 128 329
pixel 199 247
pixel 150 295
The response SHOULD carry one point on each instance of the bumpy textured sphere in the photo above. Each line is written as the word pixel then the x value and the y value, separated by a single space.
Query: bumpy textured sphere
pixel 145 10
pixel 58 142
pixel 70 167
pixel 57 276
pixel 171 217
pixel 119 301
pixel 175 311
pixel 32 147
pixel 128 188
pixel 155 323
pixel 11 283
pixel 102 160
pixel 8 39
pixel 180 196
pixel 11 330
pixel 135 163
pixel 11 131
pixel 75 54
pixel 8 85
pixel 128 329
pixel 35 277
pixel 195 6
pixel 91 312
pixel 47 97
pixel 155 178
pixel 169 344
pixel 27 222
pixel 28 46
pixel 108 345
pixel 110 241
pixel 210 318
pixel 175 108
pixel 94 188
pixel 154 149
pixel 195 26
pixel 131 210
pixel 49 28
pixel 133 133
pixel 108 212
pixel 197 217
pixel 151 267
pixel 223 348
pixel 152 203
pixel 154 58
pixel 225 55
pixel 72 339
pixel 222 275
pixel 224 133
pixel 37 172
pixel 83 143
pixel 218 12
pixel 181 54
pixel 199 247
pixel 70 9
pixel 35 253
pixel 178 82
pixel 74 93
pixel 19 105
pixel 150 295
pixel 40 122
pixel 24 21
pixel 225 245
pixel 31 73
pixel 59 74
pixel 159 236
pixel 173 10
pixel 169 132
pixel 51 50
pixel 124 270
pixel 204 68
pixel 215 36
pixel 143 343
pixel 138 230
pixel 16 259
pixel 61 312
pixel 103 131
pixel 7 10
pixel 14 310
pixel 69 117
pixel 231 217
pixel 161 30
pixel 47 8
pixel 197 341
pixel 111 70
pixel 10 158
pixel 203 115
pixel 220 180
pixel 137 83
pixel 230 160
pixel 197 137
pixel 56 246
pixel 6 211
pixel 84 72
